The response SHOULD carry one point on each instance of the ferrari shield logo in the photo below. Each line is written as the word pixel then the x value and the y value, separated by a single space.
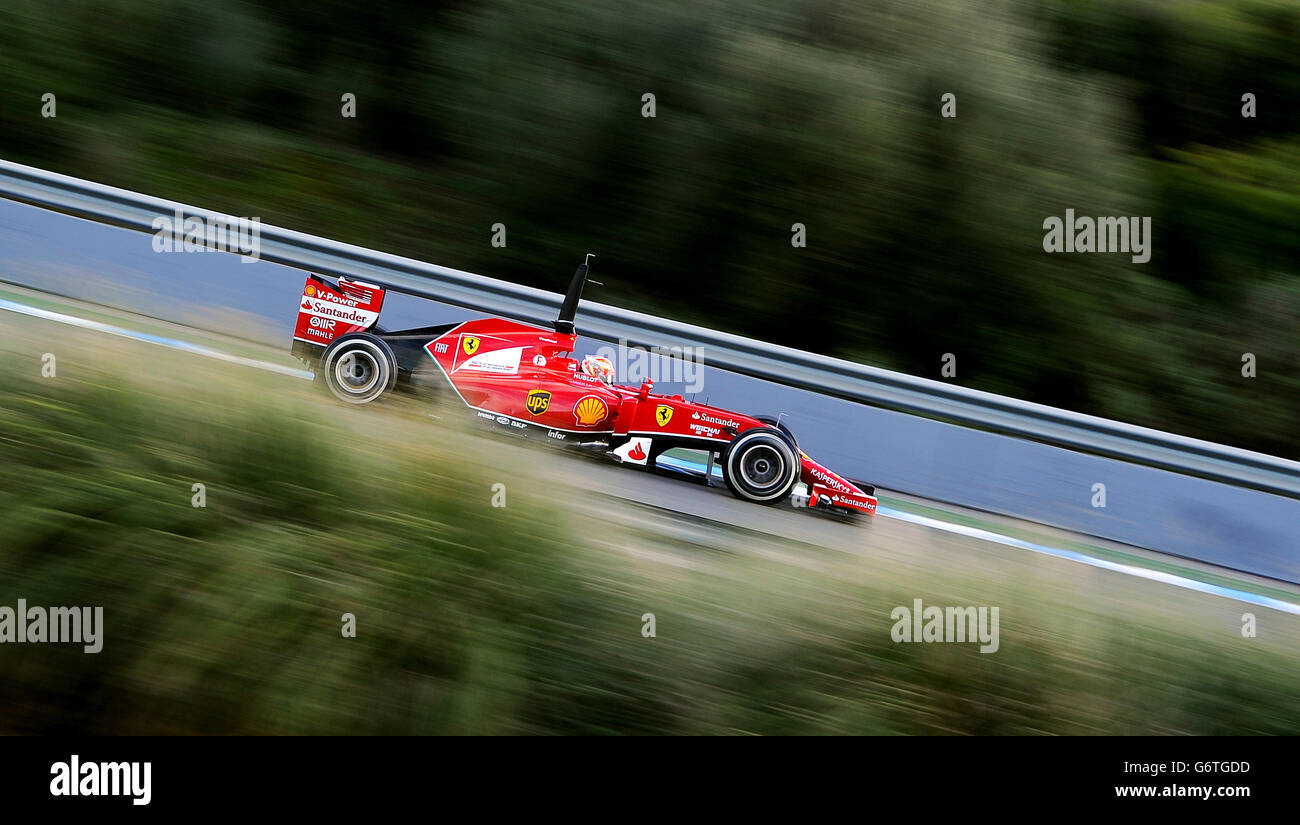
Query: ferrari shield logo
pixel 538 401
pixel 470 344
pixel 663 414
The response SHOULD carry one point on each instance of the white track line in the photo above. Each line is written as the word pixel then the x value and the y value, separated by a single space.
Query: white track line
pixel 171 343
pixel 1056 552
pixel 924 521
pixel 1093 561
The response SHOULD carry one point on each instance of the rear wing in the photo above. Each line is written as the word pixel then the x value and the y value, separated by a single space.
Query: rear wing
pixel 328 310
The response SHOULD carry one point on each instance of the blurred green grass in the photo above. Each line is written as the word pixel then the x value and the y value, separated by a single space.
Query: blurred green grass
pixel 522 619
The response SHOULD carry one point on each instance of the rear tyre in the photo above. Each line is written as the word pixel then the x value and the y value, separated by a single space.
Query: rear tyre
pixel 761 466
pixel 359 368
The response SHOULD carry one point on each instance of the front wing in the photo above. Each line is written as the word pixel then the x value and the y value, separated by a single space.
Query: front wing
pixel 829 489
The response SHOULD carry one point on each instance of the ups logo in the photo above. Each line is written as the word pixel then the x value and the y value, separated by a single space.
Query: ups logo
pixel 539 401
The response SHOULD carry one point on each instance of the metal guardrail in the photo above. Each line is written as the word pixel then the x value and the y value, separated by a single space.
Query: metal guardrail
pixel 820 373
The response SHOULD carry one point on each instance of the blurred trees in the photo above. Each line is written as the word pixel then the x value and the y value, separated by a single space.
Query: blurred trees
pixel 924 233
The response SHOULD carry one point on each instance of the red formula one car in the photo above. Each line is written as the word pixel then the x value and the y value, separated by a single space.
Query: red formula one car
pixel 521 377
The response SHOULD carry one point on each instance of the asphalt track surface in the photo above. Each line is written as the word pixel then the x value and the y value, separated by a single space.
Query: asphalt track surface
pixel 217 294
pixel 681 510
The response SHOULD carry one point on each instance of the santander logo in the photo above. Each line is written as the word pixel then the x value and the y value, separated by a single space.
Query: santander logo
pixel 637 454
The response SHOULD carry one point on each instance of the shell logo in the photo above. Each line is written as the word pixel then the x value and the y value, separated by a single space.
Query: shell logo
pixel 590 410
pixel 311 290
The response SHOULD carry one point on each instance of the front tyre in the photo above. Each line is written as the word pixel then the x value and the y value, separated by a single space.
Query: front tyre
pixel 773 421
pixel 759 465
pixel 358 368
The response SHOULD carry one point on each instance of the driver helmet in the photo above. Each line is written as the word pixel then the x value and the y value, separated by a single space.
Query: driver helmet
pixel 598 366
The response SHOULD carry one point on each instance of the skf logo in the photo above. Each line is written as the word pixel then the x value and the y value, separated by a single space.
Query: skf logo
pixel 663 414
pixel 539 401
pixel 590 410
pixel 310 291
pixel 469 344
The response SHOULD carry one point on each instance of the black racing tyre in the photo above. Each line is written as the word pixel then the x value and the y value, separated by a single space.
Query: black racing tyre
pixel 760 465
pixel 772 421
pixel 359 368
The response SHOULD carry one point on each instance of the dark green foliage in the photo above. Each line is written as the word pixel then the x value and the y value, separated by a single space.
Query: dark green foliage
pixel 924 233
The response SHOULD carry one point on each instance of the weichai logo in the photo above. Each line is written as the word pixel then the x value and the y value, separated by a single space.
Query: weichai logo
pixel 539 401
